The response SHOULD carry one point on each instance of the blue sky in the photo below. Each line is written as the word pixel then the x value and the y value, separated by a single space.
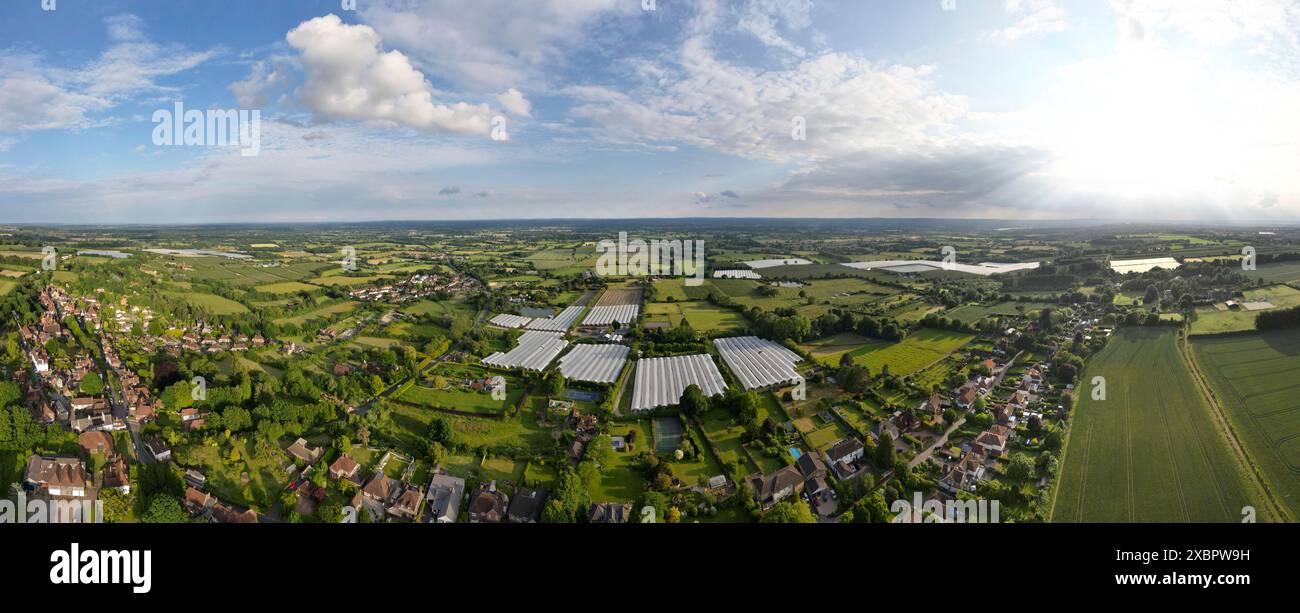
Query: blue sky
pixel 1126 109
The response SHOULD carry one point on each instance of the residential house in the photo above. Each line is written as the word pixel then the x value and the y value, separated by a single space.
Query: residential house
pixel 813 471
pixel 526 506
pixel 304 452
pixel 994 440
pixel 773 488
pixel 198 502
pixel 488 505
pixel 344 467
pixel 609 513
pixel 116 475
pixel 445 494
pixel 96 442
pixel 61 476
pixel 158 448
pixel 407 504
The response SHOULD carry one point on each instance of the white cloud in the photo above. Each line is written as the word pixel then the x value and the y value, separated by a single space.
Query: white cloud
pixel 487 45
pixel 515 103
pixel 349 76
pixel 262 77
pixel 1036 17
pixel 37 96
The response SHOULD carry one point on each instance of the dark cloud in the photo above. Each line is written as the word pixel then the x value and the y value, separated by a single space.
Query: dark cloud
pixel 449 191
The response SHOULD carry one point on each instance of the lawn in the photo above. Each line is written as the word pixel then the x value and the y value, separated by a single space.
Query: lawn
pixel 914 353
pixel 622 480
pixel 462 399
pixel 1151 450
pixel 701 316
pixel 825 436
pixel 1256 378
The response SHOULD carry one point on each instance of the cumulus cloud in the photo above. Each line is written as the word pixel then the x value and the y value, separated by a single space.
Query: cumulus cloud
pixel 515 103
pixel 350 76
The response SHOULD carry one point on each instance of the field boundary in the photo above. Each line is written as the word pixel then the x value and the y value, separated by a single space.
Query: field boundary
pixel 1258 480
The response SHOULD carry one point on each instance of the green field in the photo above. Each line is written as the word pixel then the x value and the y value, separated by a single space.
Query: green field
pixel 1216 320
pixel 325 312
pixel 1278 272
pixel 1256 378
pixel 213 303
pixel 286 287
pixel 469 401
pixel 919 350
pixel 1151 451
pixel 701 316
pixel 972 313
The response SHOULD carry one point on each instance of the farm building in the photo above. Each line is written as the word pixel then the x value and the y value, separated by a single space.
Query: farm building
pixel 594 363
pixel 661 381
pixel 605 315
pixel 559 323
pixel 506 320
pixel 758 362
pixel 910 266
pixel 736 274
pixel 533 351
pixel 777 262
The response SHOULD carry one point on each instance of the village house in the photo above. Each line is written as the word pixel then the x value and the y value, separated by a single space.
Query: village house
pixel 609 513
pixel 526 506
pixel 777 486
pixel 445 494
pixel 488 504
pixel 57 476
pixel 304 452
pixel 344 468
pixel 407 504
pixel 843 454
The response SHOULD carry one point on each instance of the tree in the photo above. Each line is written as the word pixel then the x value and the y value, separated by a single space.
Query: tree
pixel 885 451
pixel 694 402
pixel 601 450
pixel 789 512
pixel 1020 468
pixel 164 509
pixel 92 385
pixel 555 385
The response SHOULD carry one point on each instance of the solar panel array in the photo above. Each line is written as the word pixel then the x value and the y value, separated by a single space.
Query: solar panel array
pixel 738 273
pixel 594 363
pixel 533 351
pixel 605 315
pixel 661 381
pixel 506 320
pixel 758 362
pixel 559 323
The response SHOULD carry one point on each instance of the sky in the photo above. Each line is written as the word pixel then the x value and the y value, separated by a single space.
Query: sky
pixel 1174 110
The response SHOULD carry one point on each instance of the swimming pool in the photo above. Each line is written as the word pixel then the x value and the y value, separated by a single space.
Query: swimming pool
pixel 795 453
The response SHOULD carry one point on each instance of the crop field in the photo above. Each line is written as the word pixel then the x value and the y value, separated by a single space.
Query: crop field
pixel 1256 378
pixel 1151 451
pixel 286 287
pixel 828 350
pixel 213 303
pixel 1278 272
pixel 239 273
pixel 919 350
pixel 701 316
